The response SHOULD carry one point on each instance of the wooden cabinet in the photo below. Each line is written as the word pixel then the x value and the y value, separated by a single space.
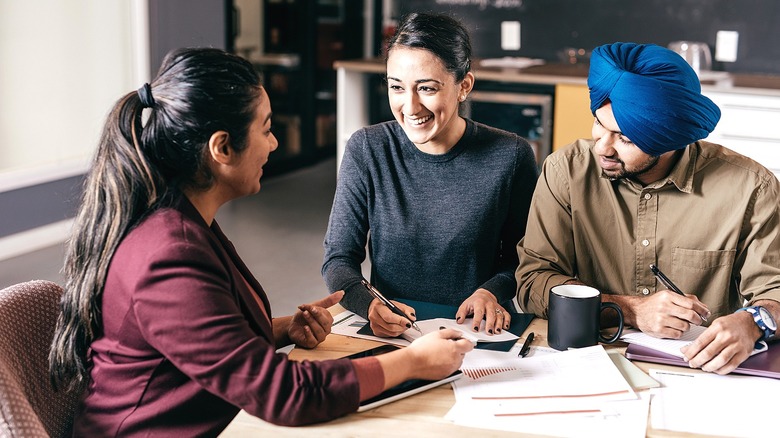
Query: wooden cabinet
pixel 749 125
pixel 572 119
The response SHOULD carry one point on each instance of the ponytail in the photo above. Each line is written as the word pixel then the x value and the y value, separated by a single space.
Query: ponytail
pixel 142 166
pixel 120 187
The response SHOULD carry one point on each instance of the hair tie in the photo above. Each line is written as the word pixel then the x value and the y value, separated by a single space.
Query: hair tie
pixel 145 95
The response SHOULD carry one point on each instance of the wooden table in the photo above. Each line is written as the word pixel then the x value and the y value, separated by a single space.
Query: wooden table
pixel 415 416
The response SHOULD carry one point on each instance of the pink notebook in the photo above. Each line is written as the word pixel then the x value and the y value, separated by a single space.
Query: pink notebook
pixel 765 364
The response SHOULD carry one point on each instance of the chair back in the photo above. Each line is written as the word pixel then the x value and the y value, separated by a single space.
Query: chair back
pixel 29 405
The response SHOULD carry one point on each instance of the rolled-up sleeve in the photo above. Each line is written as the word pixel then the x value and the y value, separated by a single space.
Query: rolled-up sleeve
pixel 760 259
pixel 546 253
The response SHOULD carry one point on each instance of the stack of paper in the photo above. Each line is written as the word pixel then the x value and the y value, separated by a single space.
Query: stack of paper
pixel 572 393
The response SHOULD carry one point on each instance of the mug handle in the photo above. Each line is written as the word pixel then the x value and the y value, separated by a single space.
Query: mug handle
pixel 620 323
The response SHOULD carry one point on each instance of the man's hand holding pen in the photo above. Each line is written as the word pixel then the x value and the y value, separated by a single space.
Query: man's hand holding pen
pixel 668 313
pixel 667 282
pixel 663 314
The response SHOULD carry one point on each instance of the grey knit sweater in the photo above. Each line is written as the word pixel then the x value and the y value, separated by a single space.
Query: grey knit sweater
pixel 440 226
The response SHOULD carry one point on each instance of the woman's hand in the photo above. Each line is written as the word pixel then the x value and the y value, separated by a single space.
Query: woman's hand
pixel 430 357
pixel 439 354
pixel 312 322
pixel 483 304
pixel 385 323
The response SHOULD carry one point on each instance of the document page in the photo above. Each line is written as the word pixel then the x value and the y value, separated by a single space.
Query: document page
pixel 673 346
pixel 571 393
pixel 432 325
pixel 349 324
pixel 710 404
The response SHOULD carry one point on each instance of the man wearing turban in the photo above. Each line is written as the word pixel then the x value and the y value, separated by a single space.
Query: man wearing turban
pixel 647 190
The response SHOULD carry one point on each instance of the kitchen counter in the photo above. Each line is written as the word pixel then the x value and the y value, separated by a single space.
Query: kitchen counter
pixel 555 73
pixel 747 100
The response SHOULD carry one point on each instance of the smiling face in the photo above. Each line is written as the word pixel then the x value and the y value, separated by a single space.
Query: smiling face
pixel 260 143
pixel 619 157
pixel 424 98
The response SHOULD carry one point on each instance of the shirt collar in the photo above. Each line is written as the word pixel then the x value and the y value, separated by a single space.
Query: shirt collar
pixel 681 175
pixel 682 172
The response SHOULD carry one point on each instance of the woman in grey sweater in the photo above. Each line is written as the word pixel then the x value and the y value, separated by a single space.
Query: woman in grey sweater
pixel 445 199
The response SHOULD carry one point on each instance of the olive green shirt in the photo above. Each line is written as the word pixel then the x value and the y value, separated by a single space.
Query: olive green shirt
pixel 711 226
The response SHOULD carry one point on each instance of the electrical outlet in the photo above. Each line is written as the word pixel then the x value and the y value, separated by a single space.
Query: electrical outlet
pixel 510 35
pixel 726 43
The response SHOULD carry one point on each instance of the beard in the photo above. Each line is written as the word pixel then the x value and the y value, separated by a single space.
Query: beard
pixel 632 173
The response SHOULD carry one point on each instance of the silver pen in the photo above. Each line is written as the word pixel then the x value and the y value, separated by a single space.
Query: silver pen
pixel 393 308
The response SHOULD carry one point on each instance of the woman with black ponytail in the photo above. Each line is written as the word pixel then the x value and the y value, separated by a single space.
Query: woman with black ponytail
pixel 161 320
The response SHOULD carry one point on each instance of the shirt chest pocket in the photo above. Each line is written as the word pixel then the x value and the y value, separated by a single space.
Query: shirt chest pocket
pixel 706 274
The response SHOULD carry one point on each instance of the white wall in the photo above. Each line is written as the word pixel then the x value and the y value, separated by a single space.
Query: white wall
pixel 63 63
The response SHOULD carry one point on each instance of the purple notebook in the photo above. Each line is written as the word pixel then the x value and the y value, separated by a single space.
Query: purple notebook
pixel 765 364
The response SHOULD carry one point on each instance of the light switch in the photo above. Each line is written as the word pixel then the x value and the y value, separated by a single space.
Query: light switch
pixel 726 44
pixel 510 35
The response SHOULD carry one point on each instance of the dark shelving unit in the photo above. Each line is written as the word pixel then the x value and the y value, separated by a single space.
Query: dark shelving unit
pixel 302 39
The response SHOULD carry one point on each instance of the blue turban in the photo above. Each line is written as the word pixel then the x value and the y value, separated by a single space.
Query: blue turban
pixel 656 96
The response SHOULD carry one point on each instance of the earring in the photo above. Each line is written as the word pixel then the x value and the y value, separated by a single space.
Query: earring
pixel 462 98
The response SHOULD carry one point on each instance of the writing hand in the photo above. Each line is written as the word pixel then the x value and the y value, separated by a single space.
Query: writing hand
pixel 384 323
pixel 483 304
pixel 666 314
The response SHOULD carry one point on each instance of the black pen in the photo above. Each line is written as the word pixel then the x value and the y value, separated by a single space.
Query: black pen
pixel 378 295
pixel 668 283
pixel 526 348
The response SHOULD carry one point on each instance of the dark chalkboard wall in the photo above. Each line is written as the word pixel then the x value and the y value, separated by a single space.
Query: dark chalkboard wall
pixel 547 26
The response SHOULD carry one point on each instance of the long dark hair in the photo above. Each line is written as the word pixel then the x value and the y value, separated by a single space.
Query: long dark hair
pixel 138 166
pixel 441 35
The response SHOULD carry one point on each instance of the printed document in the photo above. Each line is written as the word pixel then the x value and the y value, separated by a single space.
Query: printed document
pixel 710 404
pixel 349 324
pixel 572 393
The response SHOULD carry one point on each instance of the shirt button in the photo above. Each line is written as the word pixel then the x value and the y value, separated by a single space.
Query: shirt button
pixel 645 242
pixel 648 196
pixel 645 291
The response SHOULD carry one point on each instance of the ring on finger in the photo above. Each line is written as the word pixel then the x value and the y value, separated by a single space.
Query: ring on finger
pixel 498 311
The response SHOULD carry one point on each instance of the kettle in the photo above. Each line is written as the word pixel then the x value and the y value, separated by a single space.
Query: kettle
pixel 697 54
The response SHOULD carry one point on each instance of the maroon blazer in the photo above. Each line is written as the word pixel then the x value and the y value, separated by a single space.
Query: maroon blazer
pixel 185 345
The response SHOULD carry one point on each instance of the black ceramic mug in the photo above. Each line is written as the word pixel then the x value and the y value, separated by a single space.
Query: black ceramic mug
pixel 575 317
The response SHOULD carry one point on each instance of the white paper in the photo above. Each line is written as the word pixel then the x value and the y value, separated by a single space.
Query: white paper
pixel 582 373
pixel 347 323
pixel 709 404
pixel 672 346
pixel 432 325
pixel 615 419
pixel 571 393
